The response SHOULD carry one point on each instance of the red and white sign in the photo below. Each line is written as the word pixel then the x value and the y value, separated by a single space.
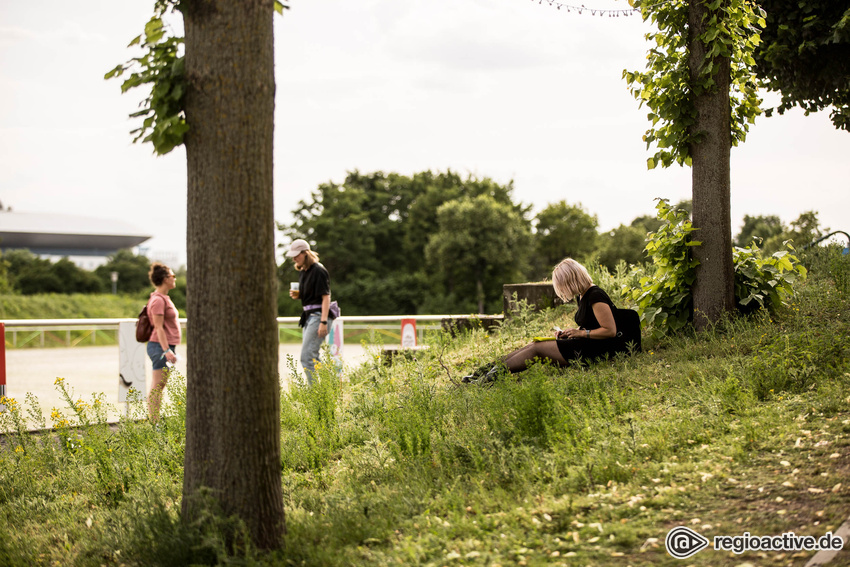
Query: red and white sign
pixel 408 333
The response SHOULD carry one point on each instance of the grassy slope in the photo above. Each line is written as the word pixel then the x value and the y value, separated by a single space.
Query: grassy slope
pixel 73 306
pixel 744 428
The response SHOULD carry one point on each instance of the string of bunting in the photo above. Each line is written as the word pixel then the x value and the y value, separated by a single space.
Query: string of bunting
pixel 593 11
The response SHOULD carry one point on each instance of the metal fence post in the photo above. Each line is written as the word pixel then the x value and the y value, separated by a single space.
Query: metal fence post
pixel 2 364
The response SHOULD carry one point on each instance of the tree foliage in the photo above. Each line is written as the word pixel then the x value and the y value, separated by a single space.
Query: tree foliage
pixel 371 232
pixel 769 233
pixel 132 272
pixel 760 229
pixel 5 286
pixel 28 274
pixel 668 87
pixel 806 228
pixel 161 67
pixel 479 245
pixel 564 230
pixel 805 55
pixel 626 242
pixel 623 244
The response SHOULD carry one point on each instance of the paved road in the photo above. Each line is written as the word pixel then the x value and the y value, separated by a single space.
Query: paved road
pixel 91 370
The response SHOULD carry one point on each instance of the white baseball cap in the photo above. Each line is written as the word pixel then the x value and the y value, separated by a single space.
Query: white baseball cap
pixel 297 247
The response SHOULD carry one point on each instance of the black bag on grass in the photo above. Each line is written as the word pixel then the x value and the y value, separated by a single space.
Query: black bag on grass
pixel 628 326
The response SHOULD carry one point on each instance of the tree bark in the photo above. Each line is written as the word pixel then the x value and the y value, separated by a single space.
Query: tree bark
pixel 233 389
pixel 713 290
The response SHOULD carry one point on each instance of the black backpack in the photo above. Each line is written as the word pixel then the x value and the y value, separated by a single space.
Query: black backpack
pixel 628 326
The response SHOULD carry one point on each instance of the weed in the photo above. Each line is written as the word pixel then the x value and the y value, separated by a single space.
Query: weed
pixel 832 263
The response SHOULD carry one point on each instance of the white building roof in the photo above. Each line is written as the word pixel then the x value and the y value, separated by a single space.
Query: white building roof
pixel 71 234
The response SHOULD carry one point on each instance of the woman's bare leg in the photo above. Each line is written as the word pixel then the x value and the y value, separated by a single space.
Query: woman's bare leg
pixel 155 398
pixel 518 360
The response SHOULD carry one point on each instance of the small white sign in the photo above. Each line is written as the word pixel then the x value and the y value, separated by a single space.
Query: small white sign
pixel 132 357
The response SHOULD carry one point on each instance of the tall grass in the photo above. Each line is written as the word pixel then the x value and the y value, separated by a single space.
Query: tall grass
pixel 745 427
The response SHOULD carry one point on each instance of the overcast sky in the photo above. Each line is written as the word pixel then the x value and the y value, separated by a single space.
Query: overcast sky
pixel 506 89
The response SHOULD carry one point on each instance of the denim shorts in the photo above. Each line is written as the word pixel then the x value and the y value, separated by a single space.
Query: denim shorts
pixel 155 353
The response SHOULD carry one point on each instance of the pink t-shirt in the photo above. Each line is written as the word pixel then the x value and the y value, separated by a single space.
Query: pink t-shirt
pixel 160 304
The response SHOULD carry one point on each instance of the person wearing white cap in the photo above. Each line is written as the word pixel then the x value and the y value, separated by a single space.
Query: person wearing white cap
pixel 314 291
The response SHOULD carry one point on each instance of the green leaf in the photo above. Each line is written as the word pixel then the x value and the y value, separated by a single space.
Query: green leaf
pixel 154 31
pixel 116 72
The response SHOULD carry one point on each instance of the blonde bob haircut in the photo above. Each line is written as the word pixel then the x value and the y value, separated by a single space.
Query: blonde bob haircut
pixel 312 258
pixel 569 278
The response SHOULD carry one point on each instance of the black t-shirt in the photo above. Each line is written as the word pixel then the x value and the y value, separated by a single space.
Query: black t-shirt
pixel 314 282
pixel 584 315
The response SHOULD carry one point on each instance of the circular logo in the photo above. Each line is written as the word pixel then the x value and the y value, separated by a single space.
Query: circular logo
pixel 683 542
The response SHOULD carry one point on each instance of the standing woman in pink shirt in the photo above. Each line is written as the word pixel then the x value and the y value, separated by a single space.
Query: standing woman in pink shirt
pixel 166 331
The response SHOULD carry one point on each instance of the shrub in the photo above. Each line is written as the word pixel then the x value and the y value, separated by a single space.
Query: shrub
pixel 765 282
pixel 663 297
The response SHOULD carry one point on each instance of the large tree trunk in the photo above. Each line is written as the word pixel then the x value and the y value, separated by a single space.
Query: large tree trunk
pixel 714 291
pixel 233 403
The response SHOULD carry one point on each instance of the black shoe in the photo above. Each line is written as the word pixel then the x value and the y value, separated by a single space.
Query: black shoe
pixel 491 375
pixel 479 373
pixel 497 370
pixel 484 369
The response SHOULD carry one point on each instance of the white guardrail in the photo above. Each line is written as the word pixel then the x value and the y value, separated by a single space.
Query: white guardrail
pixel 80 332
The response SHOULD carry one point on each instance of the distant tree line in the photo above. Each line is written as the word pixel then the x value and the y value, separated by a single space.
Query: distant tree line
pixel 426 243
pixel 24 273
pixel 441 243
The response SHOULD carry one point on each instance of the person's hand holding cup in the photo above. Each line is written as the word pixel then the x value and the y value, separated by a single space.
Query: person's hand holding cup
pixel 294 289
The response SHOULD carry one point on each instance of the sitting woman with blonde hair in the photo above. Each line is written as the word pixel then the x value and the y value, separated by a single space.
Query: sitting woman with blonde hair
pixel 596 336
